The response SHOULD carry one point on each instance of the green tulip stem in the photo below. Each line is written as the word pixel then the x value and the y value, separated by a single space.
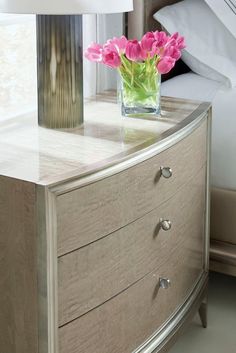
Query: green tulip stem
pixel 140 81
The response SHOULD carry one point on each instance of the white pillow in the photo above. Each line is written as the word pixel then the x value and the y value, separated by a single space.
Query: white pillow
pixel 191 86
pixel 225 10
pixel 211 48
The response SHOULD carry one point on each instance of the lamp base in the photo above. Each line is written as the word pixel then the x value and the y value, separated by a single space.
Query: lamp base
pixel 60 71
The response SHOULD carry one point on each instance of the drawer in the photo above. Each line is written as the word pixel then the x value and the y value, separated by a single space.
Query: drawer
pixel 91 212
pixel 93 274
pixel 123 323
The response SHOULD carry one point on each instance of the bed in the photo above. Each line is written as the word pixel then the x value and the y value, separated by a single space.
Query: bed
pixel 187 84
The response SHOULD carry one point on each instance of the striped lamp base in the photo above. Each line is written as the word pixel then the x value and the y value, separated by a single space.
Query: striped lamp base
pixel 60 71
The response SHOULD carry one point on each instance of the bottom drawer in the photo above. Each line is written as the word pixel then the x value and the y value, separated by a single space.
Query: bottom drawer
pixel 123 323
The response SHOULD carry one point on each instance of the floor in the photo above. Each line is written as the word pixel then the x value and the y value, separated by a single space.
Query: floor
pixel 220 336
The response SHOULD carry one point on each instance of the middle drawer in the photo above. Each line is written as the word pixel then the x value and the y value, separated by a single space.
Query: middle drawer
pixel 95 273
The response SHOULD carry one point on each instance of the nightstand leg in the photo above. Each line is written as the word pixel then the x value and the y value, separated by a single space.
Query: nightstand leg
pixel 203 313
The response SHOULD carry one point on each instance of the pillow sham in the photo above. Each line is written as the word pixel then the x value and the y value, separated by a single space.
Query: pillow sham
pixel 225 10
pixel 211 48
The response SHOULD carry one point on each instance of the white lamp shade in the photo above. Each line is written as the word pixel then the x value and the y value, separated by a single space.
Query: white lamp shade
pixel 65 7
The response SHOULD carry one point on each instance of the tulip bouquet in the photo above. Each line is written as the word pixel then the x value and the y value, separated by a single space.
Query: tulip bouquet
pixel 140 64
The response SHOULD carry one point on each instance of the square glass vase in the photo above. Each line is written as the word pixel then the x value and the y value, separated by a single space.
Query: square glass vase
pixel 140 96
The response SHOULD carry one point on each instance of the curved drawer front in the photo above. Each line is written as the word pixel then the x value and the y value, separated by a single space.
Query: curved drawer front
pixel 123 323
pixel 95 273
pixel 91 212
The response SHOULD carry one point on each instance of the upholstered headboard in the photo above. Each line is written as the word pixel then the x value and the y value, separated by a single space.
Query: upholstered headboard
pixel 141 20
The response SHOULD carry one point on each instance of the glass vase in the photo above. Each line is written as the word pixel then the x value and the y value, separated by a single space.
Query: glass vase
pixel 140 90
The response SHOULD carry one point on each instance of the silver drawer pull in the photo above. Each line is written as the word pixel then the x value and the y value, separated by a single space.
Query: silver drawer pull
pixel 164 283
pixel 165 224
pixel 166 172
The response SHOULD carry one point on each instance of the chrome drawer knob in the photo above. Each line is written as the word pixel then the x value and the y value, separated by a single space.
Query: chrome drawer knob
pixel 164 283
pixel 165 224
pixel 166 172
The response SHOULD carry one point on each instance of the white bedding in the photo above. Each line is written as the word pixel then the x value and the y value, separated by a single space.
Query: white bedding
pixel 193 86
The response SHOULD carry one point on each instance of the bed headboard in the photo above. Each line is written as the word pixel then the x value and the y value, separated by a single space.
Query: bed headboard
pixel 141 20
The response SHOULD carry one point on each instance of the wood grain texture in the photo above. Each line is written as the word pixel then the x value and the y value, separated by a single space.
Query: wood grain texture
pixel 223 252
pixel 115 201
pixel 127 320
pixel 18 268
pixel 48 157
pixel 161 342
pixel 223 267
pixel 223 228
pixel 47 270
pixel 118 157
pixel 90 276
pixel 223 220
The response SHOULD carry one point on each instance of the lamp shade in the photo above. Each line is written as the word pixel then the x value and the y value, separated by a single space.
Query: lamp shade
pixel 65 7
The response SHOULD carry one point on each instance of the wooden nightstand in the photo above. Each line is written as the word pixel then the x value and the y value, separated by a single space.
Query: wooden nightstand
pixel 104 231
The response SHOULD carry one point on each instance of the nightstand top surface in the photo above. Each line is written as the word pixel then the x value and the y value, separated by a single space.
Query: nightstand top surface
pixel 48 157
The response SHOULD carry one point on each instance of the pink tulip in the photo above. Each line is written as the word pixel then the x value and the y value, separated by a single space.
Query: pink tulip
pixel 179 40
pixel 111 58
pixel 133 50
pixel 181 43
pixel 161 38
pixel 170 43
pixel 146 45
pixel 165 64
pixel 118 44
pixel 173 52
pixel 163 49
pixel 147 41
pixel 94 52
pixel 156 50
pixel 174 35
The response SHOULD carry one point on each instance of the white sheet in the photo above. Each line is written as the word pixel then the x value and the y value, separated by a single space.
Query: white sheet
pixel 223 101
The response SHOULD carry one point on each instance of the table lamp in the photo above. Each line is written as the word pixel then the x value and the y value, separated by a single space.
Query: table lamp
pixel 60 54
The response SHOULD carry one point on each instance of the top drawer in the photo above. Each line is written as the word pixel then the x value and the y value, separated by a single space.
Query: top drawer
pixel 91 212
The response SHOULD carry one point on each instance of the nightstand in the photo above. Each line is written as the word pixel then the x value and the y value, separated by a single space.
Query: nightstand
pixel 104 230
